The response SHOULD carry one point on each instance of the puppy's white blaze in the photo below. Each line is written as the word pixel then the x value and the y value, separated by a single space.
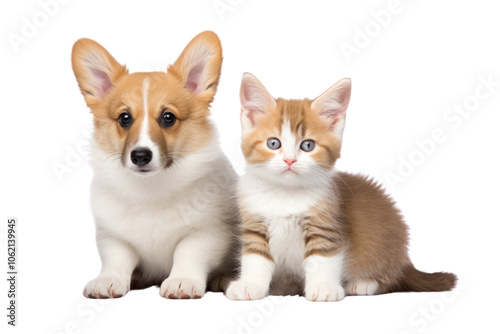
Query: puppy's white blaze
pixel 288 142
pixel 145 90
pixel 144 139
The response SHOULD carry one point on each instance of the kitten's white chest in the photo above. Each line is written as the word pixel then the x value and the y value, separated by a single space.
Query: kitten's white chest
pixel 268 200
pixel 286 242
pixel 282 210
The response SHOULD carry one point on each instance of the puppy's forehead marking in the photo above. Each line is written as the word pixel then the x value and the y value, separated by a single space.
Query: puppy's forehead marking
pixel 144 138
pixel 145 89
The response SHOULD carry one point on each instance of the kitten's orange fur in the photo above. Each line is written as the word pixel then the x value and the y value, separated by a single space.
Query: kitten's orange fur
pixel 354 218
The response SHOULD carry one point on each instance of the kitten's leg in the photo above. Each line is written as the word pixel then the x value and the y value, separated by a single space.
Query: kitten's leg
pixel 361 287
pixel 257 264
pixel 323 277
pixel 194 257
pixel 255 278
pixel 324 254
pixel 118 263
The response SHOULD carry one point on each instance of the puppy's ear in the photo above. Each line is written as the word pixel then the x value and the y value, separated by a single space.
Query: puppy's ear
pixel 96 71
pixel 332 105
pixel 199 65
pixel 255 101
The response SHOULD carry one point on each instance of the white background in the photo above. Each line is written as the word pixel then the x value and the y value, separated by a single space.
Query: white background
pixel 428 58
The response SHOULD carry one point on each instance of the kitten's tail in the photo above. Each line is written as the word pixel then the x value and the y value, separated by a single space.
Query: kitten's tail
pixel 418 281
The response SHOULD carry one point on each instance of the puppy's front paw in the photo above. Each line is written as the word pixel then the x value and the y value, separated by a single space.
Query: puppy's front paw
pixel 106 287
pixel 242 290
pixel 324 292
pixel 182 288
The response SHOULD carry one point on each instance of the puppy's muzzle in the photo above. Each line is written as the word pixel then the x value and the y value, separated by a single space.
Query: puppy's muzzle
pixel 141 156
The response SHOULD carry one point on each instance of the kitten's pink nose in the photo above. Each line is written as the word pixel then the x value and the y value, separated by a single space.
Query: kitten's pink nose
pixel 289 162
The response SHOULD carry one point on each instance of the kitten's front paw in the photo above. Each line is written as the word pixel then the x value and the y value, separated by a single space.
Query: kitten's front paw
pixel 242 290
pixel 106 287
pixel 324 292
pixel 182 288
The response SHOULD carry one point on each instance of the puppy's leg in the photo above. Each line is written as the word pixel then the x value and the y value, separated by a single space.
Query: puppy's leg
pixel 195 256
pixel 118 263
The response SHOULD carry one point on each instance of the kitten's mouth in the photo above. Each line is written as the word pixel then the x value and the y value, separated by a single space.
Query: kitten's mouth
pixel 289 171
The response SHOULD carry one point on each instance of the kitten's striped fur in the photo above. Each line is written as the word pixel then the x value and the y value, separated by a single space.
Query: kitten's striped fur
pixel 254 236
pixel 307 228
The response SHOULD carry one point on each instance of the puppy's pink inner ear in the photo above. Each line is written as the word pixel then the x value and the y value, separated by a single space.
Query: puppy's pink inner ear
pixel 194 78
pixel 103 84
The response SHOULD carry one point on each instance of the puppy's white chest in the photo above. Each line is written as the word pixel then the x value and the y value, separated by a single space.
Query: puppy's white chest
pixel 152 229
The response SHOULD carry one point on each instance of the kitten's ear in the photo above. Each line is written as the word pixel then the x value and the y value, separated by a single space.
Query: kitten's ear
pixel 333 103
pixel 255 100
pixel 199 65
pixel 96 71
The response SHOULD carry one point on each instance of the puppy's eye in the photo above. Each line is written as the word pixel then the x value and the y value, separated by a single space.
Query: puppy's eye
pixel 307 145
pixel 125 119
pixel 273 143
pixel 168 119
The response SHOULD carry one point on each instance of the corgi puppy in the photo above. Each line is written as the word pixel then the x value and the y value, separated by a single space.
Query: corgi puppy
pixel 161 194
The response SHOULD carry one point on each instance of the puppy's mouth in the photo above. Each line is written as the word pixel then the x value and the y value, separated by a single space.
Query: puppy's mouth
pixel 149 169
pixel 143 161
pixel 143 171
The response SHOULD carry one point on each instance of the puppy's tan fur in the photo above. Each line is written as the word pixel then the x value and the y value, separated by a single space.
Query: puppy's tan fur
pixel 166 93
pixel 168 220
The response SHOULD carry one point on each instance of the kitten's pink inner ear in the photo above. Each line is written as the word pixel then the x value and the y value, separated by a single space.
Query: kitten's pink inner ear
pixel 254 98
pixel 103 85
pixel 249 107
pixel 250 114
pixel 334 102
pixel 194 78
pixel 334 110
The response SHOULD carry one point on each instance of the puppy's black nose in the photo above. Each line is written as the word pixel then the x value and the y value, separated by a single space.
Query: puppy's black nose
pixel 141 156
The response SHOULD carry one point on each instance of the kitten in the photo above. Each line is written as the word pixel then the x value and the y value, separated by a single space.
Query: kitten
pixel 307 228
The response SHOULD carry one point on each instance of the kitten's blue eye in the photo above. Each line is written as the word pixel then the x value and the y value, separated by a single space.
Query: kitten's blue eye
pixel 273 143
pixel 307 145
